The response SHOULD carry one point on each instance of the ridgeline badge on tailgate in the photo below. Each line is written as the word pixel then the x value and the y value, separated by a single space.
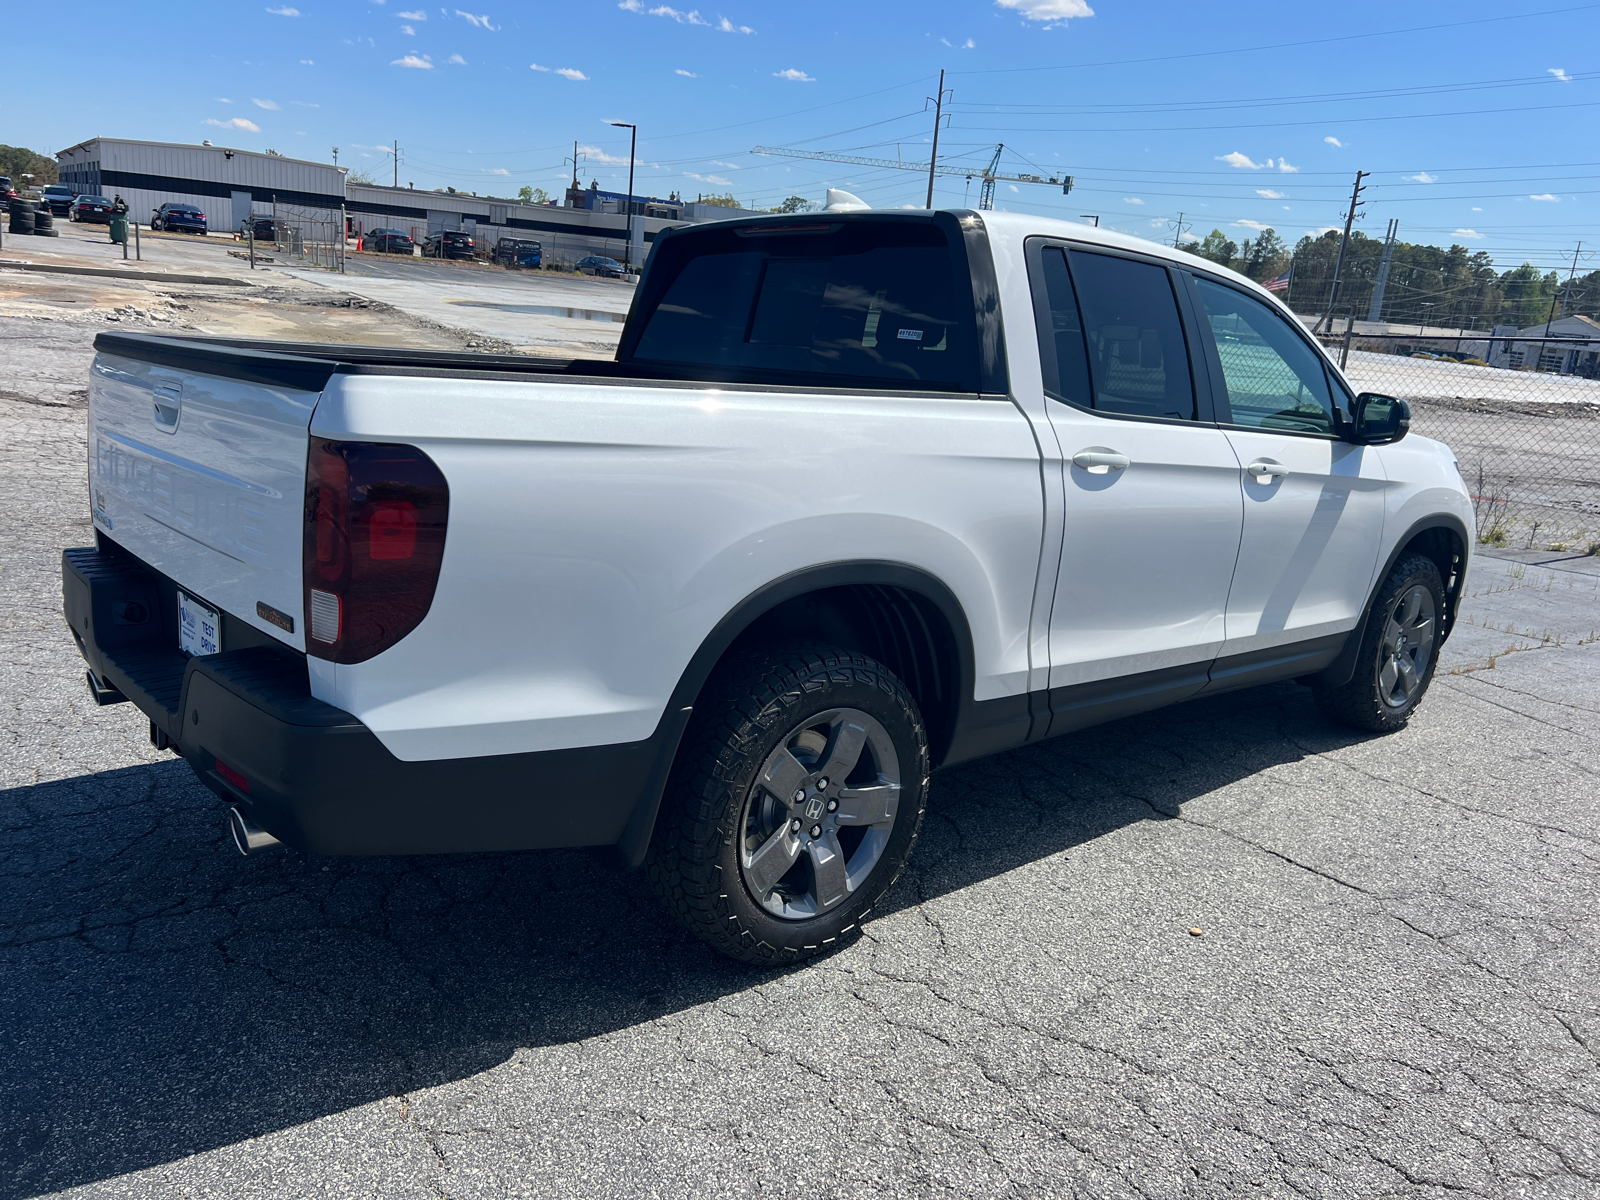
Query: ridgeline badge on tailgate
pixel 267 613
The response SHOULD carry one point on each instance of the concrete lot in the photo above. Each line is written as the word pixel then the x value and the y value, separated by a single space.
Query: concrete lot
pixel 1396 991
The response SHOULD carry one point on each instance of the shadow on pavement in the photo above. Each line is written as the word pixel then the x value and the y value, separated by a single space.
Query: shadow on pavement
pixel 161 996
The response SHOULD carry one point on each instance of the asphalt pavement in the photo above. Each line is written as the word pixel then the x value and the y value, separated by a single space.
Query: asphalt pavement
pixel 1222 950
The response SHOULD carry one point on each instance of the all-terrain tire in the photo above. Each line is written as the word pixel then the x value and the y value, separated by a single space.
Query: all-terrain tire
pixel 753 705
pixel 1379 697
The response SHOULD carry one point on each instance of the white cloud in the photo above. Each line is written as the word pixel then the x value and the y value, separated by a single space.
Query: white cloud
pixel 595 154
pixel 1468 233
pixel 283 10
pixel 1333 141
pixel 455 60
pixel 1548 197
pixel 235 123
pixel 686 74
pixel 499 171
pixel 682 18
pixel 727 26
pixel 537 67
pixel 1256 225
pixel 1132 200
pixel 408 31
pixel 1423 177
pixel 969 44
pixel 1014 187
pixel 1185 236
pixel 730 166
pixel 270 105
pixel 415 14
pixel 479 22
pixel 1561 74
pixel 1269 194
pixel 306 62
pixel 793 76
pixel 571 73
pixel 1283 166
pixel 304 104
pixel 423 63
pixel 1242 161
pixel 223 100
pixel 1048 10
pixel 716 179
pixel 1475 208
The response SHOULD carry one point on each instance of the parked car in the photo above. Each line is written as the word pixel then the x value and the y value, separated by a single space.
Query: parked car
pixel 261 228
pixel 518 252
pixel 6 188
pixel 182 218
pixel 856 499
pixel 94 209
pixel 599 264
pixel 389 241
pixel 449 243
pixel 58 196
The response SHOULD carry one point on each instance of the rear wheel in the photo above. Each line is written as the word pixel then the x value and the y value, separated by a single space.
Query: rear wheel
pixel 795 801
pixel 1399 649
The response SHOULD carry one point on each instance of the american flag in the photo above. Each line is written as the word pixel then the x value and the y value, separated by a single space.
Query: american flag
pixel 1281 283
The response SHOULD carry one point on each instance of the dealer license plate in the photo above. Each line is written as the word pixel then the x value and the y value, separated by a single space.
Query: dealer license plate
pixel 199 626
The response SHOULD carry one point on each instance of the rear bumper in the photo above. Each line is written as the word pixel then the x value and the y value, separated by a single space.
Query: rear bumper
pixel 315 777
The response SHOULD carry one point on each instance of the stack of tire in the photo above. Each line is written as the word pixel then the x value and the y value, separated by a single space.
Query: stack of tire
pixel 44 223
pixel 22 214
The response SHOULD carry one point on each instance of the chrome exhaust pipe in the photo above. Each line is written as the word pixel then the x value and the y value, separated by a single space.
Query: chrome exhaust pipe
pixel 251 839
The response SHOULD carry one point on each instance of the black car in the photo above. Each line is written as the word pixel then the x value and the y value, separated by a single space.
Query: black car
pixel 518 252
pixel 258 227
pixel 96 209
pixel 449 243
pixel 389 241
pixel 599 264
pixel 59 198
pixel 182 217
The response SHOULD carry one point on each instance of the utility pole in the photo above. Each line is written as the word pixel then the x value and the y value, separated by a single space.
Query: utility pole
pixel 1562 296
pixel 397 162
pixel 1178 228
pixel 1375 310
pixel 336 156
pixel 1338 263
pixel 938 116
pixel 633 145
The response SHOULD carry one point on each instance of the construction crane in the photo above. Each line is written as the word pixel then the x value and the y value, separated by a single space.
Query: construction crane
pixel 988 174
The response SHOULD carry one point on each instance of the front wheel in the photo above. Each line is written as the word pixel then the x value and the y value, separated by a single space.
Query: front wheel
pixel 1399 649
pixel 794 803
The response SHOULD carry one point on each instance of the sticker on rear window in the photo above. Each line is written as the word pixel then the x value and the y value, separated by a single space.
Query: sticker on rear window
pixel 911 335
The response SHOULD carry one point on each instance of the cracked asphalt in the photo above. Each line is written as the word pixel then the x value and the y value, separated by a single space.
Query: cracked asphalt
pixel 1395 993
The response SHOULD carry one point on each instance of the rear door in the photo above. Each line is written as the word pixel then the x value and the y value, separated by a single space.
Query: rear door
pixel 202 475
pixel 1313 503
pixel 1152 512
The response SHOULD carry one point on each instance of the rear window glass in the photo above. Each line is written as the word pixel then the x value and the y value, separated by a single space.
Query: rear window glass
pixel 859 300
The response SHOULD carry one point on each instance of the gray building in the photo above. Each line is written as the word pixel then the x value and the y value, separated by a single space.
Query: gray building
pixel 1565 346
pixel 225 184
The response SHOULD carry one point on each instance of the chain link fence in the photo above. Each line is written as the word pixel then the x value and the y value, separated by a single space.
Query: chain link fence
pixel 1522 415
pixel 312 237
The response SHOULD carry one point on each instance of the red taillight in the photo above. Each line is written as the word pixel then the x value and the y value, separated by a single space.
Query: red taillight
pixel 231 776
pixel 375 522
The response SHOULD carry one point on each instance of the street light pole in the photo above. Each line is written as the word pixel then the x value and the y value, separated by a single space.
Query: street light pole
pixel 633 145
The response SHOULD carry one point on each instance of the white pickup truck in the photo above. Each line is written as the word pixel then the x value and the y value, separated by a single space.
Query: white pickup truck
pixel 861 495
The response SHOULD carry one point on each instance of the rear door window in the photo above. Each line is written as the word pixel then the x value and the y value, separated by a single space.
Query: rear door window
pixel 853 301
pixel 1111 337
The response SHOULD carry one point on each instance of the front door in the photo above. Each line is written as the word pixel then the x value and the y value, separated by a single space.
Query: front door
pixel 1152 511
pixel 241 209
pixel 1313 503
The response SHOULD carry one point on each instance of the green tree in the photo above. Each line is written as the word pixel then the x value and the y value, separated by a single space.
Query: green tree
pixel 794 204
pixel 17 161
pixel 1215 246
pixel 533 195
pixel 1266 256
pixel 361 175
pixel 723 201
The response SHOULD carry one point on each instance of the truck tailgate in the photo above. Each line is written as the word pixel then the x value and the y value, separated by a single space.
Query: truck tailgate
pixel 197 465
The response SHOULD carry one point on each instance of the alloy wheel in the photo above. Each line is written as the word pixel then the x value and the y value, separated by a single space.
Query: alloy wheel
pixel 1407 647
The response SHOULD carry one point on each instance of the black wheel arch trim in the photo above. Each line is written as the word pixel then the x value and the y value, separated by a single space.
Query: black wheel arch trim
pixel 636 835
pixel 1343 668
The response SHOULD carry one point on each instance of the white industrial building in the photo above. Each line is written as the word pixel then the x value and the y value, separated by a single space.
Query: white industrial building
pixel 229 184
pixel 225 184
pixel 1565 346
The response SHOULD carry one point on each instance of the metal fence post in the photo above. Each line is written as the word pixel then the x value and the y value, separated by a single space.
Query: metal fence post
pixel 250 225
pixel 138 252
pixel 343 232
pixel 1349 330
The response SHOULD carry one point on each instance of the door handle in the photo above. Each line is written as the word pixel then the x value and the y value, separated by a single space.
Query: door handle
pixel 1100 460
pixel 1265 470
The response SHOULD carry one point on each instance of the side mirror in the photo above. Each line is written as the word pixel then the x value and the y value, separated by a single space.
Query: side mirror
pixel 1377 420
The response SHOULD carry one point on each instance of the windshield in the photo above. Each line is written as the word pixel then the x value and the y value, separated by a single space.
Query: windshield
pixel 56 189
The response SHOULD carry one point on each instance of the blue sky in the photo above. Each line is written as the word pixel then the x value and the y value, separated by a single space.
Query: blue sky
pixel 1474 119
